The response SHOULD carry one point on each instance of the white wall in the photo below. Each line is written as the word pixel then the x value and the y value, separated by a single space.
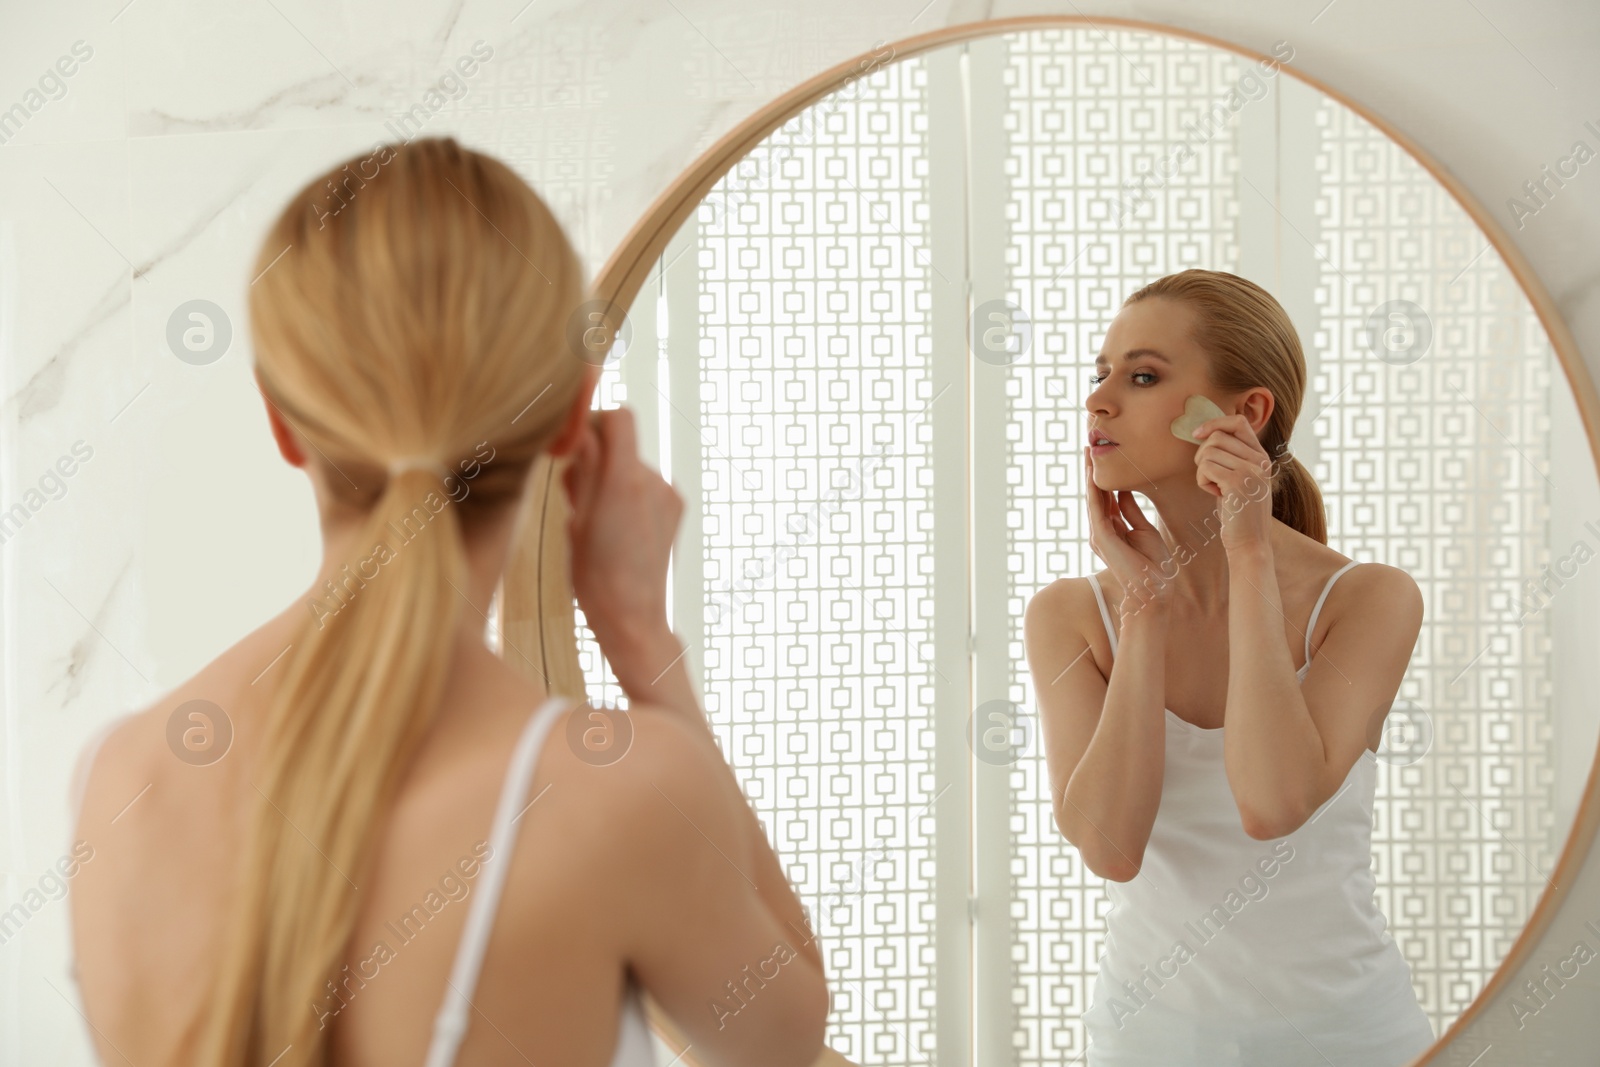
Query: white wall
pixel 190 123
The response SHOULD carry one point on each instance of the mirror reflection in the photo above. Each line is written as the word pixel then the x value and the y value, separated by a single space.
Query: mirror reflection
pixel 866 361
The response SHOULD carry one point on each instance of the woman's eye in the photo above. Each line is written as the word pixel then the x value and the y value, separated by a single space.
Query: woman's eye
pixel 1097 379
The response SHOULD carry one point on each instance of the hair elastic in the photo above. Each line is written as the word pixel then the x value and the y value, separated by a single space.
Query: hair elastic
pixel 405 463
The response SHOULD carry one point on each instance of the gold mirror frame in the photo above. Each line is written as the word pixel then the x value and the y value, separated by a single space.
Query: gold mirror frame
pixel 538 586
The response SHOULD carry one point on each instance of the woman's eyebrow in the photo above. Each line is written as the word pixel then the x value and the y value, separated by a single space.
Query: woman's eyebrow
pixel 1132 352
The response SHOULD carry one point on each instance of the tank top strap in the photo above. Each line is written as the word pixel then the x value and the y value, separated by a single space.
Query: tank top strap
pixel 450 1025
pixel 1105 616
pixel 1312 625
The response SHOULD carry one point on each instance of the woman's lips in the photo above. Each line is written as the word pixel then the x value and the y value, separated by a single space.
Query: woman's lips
pixel 1100 450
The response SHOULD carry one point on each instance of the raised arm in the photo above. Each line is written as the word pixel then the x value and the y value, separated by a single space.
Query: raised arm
pixel 652 669
pixel 1105 743
pixel 737 978
pixel 1290 746
pixel 623 525
pixel 720 939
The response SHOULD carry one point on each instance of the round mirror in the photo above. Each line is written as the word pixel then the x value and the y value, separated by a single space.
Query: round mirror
pixel 858 340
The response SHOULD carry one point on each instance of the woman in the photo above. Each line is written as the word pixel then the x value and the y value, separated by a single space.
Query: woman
pixel 1231 810
pixel 394 862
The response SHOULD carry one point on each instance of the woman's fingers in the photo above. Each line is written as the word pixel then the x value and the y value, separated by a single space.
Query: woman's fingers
pixel 1099 515
pixel 618 435
pixel 1091 490
pixel 570 479
pixel 1096 494
pixel 1096 510
pixel 603 458
pixel 1233 453
pixel 625 519
pixel 1132 512
pixel 1226 442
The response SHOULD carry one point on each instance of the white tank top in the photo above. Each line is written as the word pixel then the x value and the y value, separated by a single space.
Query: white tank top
pixel 1225 950
pixel 635 1046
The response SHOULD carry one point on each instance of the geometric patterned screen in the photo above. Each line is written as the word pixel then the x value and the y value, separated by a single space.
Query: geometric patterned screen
pixel 812 364
pixel 798 310
pixel 1440 463
pixel 792 379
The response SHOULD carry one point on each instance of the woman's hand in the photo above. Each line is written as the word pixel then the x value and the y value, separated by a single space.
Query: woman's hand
pixel 1133 550
pixel 624 520
pixel 1232 465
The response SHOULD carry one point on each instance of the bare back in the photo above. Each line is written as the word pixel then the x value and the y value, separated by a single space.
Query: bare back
pixel 166 837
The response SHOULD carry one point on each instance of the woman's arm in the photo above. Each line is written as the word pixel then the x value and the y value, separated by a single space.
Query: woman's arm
pixel 695 932
pixel 1105 743
pixel 1288 745
pixel 623 524
pixel 1270 745
pixel 651 670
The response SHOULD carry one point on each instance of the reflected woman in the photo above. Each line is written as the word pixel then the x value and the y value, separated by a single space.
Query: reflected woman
pixel 408 851
pixel 1213 753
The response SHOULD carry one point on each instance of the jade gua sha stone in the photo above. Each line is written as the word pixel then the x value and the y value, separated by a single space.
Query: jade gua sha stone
pixel 1196 409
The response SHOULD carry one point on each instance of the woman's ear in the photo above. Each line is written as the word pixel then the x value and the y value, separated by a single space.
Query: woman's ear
pixel 573 429
pixel 1256 406
pixel 292 453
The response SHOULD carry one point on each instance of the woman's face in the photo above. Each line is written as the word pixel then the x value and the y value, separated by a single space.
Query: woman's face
pixel 1148 367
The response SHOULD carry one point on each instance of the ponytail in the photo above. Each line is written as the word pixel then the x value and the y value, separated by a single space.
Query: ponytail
pixel 361 689
pixel 1296 500
pixel 420 310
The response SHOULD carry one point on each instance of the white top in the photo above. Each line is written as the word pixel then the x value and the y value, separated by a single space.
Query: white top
pixel 1225 950
pixel 635 1047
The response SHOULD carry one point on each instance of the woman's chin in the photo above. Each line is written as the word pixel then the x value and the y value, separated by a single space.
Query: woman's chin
pixel 1106 471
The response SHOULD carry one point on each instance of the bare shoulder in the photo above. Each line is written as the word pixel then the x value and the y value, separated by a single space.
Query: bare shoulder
pixel 111 772
pixel 650 812
pixel 1374 596
pixel 138 837
pixel 1064 598
pixel 1067 604
pixel 190 726
pixel 667 769
pixel 689 897
pixel 1060 621
pixel 1376 590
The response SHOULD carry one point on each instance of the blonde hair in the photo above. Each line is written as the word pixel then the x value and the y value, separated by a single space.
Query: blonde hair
pixel 1252 343
pixel 418 310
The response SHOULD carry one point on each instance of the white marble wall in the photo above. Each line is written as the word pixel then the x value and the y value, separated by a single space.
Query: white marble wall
pixel 143 179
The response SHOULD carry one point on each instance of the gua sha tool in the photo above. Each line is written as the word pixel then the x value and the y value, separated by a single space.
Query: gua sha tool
pixel 1196 409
